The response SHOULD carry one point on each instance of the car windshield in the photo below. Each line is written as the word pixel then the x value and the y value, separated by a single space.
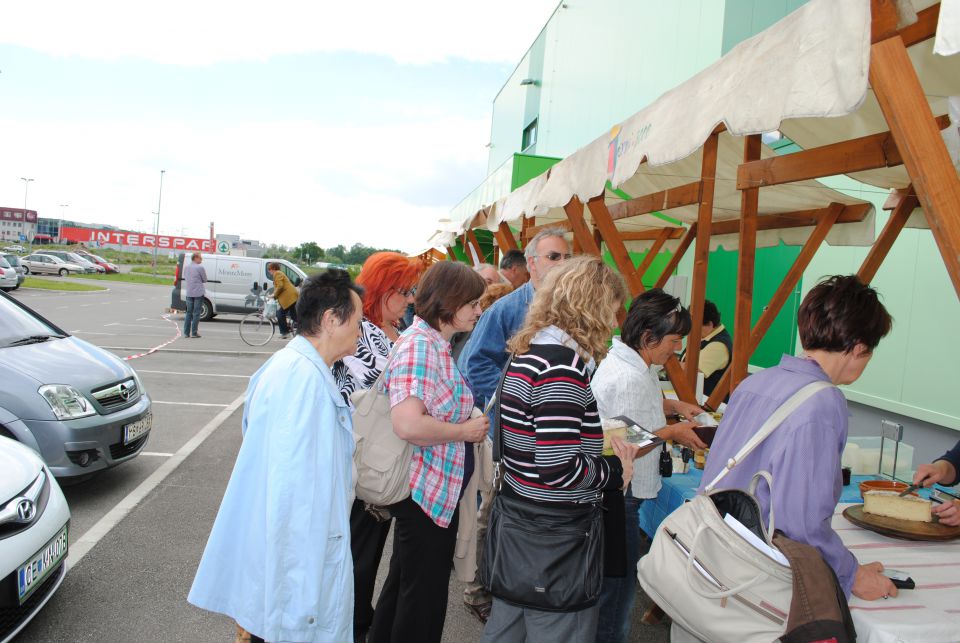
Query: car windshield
pixel 19 326
pixel 75 258
pixel 96 258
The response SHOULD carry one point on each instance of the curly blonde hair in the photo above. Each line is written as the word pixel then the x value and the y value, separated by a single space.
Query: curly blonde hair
pixel 582 297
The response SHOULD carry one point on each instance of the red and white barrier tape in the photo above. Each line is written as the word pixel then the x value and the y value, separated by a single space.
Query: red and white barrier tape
pixel 166 317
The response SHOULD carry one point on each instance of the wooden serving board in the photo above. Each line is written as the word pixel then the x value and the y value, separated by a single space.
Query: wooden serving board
pixel 896 528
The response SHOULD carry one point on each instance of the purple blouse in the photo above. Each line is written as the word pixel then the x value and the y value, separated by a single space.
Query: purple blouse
pixel 802 455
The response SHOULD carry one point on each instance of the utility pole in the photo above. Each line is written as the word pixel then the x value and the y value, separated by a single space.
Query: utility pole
pixel 156 227
pixel 26 188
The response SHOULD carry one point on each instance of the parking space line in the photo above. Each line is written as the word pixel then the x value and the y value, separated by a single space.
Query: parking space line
pixel 140 370
pixel 189 403
pixel 92 536
pixel 155 454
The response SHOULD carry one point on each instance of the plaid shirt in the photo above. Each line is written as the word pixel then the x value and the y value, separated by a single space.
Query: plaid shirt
pixel 423 367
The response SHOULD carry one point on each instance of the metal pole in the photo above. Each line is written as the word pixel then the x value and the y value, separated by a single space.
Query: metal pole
pixel 60 223
pixel 156 227
pixel 26 188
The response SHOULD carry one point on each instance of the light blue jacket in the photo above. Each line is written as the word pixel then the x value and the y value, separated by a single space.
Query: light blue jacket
pixel 278 559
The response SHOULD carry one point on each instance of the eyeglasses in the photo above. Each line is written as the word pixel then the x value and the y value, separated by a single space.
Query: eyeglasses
pixel 407 292
pixel 555 256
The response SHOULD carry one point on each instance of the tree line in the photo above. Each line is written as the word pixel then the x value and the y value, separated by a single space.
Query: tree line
pixel 310 252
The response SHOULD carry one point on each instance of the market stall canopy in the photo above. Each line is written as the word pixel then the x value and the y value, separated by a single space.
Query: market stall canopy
pixel 806 76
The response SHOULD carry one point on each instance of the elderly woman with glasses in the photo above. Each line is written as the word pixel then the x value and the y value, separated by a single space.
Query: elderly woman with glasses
pixel 277 560
pixel 388 279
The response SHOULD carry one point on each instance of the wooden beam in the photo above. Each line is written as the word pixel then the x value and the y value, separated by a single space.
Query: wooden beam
pixel 677 256
pixel 743 311
pixel 679 380
pixel 533 230
pixel 476 246
pixel 698 290
pixel 688 194
pixel 798 219
pixel 653 234
pixel 883 19
pixel 924 28
pixel 611 236
pixel 665 233
pixel 925 156
pixel 790 281
pixel 526 223
pixel 582 234
pixel 856 155
pixel 881 247
pixel 452 254
pixel 505 238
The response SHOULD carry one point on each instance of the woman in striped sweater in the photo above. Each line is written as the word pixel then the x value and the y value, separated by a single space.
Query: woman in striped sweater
pixel 552 439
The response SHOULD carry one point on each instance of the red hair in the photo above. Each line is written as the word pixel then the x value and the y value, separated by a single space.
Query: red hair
pixel 381 273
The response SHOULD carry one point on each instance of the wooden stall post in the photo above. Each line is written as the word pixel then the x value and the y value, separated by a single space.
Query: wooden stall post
pixel 698 289
pixel 525 224
pixel 924 154
pixel 481 258
pixel 742 319
pixel 780 297
pixel 609 233
pixel 582 235
pixel 881 247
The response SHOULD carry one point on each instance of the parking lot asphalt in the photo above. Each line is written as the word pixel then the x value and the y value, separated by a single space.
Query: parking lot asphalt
pixel 138 530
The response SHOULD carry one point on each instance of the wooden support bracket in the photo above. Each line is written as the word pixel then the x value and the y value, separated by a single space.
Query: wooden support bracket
pixel 582 234
pixel 881 247
pixel 611 236
pixel 677 256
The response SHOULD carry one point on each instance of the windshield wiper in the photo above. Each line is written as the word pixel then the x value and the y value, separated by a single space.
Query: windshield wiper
pixel 34 339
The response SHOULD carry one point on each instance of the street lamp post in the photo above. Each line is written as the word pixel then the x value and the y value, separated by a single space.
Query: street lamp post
pixel 26 189
pixel 156 227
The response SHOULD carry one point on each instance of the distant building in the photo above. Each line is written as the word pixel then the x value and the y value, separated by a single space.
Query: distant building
pixel 17 224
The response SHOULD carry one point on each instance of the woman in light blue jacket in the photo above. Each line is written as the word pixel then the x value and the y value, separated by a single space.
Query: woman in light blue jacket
pixel 278 558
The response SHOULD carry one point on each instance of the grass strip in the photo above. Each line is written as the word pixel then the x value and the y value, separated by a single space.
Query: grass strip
pixel 57 284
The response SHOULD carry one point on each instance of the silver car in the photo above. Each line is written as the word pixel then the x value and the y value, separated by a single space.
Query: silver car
pixel 14 262
pixel 8 276
pixel 88 266
pixel 81 408
pixel 41 264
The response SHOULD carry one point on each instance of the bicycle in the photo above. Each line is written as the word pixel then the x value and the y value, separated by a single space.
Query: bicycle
pixel 257 328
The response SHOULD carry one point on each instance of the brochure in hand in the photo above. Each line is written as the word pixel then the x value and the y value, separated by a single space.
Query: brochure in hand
pixel 636 434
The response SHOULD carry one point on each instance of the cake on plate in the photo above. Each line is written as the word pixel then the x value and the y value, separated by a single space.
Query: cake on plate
pixel 892 505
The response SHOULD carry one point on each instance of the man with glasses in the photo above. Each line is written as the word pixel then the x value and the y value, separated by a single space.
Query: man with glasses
pixel 485 355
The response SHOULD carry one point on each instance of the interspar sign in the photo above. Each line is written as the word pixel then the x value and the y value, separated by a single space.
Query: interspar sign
pixel 135 239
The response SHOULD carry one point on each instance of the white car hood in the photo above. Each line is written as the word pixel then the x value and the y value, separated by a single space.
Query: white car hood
pixel 20 466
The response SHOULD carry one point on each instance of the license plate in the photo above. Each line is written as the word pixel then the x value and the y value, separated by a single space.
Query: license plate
pixel 32 573
pixel 138 429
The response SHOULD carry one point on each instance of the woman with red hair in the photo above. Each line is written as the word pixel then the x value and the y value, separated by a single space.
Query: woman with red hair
pixel 388 280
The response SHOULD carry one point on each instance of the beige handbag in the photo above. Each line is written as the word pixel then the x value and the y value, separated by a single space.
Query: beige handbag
pixel 705 575
pixel 381 458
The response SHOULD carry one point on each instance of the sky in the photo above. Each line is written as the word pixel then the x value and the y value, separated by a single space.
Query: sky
pixel 290 121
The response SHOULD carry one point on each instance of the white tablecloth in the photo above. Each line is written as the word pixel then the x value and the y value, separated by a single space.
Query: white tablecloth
pixel 928 614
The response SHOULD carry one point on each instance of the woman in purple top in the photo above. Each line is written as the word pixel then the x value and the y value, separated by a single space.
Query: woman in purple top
pixel 840 321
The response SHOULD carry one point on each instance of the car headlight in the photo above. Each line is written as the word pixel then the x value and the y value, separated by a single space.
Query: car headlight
pixel 136 378
pixel 66 402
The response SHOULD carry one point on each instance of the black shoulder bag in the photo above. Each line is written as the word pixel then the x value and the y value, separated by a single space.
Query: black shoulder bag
pixel 536 555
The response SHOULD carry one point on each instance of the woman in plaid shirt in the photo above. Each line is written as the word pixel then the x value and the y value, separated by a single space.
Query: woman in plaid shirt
pixel 431 407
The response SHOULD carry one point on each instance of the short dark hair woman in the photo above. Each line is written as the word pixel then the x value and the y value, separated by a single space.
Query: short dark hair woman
pixel 841 321
pixel 626 383
pixel 431 407
pixel 278 557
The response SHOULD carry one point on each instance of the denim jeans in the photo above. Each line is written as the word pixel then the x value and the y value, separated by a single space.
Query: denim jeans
pixel 617 595
pixel 282 314
pixel 192 318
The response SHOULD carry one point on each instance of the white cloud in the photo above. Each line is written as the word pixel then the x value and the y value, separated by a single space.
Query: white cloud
pixel 284 182
pixel 198 32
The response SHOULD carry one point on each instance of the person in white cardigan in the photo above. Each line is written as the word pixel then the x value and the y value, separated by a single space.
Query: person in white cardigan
pixel 626 383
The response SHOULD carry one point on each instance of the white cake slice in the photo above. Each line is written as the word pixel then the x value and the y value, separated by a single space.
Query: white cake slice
pixel 891 505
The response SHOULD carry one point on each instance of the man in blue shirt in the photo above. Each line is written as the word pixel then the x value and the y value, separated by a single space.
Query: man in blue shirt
pixel 485 355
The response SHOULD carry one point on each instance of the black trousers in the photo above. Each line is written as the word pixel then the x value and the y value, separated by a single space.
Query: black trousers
pixel 367 538
pixel 413 601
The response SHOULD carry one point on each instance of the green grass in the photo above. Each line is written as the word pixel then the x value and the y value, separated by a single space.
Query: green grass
pixel 115 256
pixel 130 277
pixel 57 284
pixel 166 269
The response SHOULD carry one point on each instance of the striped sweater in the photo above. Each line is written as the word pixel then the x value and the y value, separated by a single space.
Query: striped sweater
pixel 552 438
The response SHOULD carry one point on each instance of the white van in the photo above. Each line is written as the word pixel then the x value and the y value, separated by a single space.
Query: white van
pixel 234 284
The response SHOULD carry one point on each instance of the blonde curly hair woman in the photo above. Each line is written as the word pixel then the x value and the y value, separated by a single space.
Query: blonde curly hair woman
pixel 552 443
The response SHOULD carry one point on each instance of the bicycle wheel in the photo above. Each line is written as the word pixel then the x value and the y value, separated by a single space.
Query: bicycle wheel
pixel 256 330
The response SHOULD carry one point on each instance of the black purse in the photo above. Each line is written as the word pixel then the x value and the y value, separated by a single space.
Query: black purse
pixel 539 556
